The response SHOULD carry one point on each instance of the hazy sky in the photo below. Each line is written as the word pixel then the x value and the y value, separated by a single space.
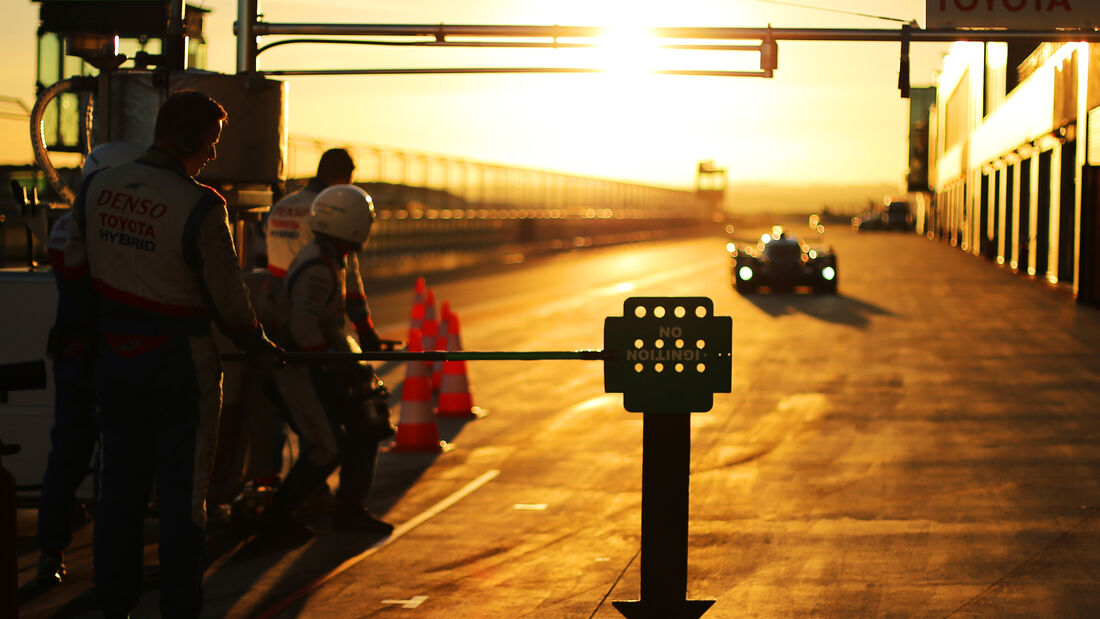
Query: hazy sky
pixel 831 114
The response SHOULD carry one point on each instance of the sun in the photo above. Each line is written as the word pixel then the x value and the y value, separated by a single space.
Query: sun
pixel 627 49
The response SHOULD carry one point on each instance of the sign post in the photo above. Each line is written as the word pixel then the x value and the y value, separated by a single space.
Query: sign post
pixel 674 355
pixel 668 356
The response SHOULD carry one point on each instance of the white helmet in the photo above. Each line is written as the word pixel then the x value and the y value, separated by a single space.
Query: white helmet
pixel 344 212
pixel 110 154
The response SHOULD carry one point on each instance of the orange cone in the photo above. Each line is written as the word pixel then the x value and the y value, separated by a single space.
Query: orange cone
pixel 419 305
pixel 454 339
pixel 441 343
pixel 429 337
pixel 455 399
pixel 416 428
pixel 429 328
pixel 430 332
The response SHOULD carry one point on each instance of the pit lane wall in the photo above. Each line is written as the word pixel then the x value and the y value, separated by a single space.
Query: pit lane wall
pixel 1014 156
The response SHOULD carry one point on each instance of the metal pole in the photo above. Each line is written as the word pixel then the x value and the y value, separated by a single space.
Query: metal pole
pixel 506 44
pixel 426 30
pixel 103 102
pixel 465 70
pixel 438 355
pixel 788 34
pixel 175 47
pixel 666 468
pixel 246 35
pixel 666 440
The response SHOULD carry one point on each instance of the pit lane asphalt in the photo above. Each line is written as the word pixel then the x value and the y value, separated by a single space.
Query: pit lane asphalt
pixel 922 444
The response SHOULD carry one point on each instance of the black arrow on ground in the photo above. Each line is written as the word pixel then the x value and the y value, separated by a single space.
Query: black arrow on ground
pixel 666 456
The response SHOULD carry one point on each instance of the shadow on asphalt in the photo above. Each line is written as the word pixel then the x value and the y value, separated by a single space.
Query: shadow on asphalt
pixel 838 308
pixel 326 552
pixel 244 564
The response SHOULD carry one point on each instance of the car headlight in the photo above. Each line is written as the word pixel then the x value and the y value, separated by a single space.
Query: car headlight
pixel 745 273
pixel 828 273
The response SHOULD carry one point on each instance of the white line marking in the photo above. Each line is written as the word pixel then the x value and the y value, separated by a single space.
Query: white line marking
pixel 398 531
pixel 413 602
pixel 531 507
pixel 432 511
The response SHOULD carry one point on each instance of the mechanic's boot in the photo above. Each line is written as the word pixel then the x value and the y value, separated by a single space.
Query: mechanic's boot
pixel 281 531
pixel 358 519
pixel 51 569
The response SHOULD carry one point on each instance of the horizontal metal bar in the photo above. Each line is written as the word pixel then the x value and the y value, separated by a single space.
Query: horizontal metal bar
pixel 441 31
pixel 502 44
pixel 499 44
pixel 699 72
pixel 431 30
pixel 431 71
pixel 468 70
pixel 714 48
pixel 439 355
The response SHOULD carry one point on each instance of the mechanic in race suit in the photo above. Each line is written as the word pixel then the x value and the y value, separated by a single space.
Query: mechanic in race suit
pixel 312 301
pixel 163 265
pixel 74 432
pixel 288 231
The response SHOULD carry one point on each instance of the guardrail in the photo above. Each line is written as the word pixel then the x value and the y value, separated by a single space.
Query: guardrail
pixel 449 183
pixel 437 212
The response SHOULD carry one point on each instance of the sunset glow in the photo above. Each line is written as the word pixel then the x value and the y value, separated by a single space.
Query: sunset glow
pixel 831 114
pixel 628 49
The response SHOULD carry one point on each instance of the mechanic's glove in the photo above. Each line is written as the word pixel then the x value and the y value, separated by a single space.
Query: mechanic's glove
pixel 262 354
pixel 369 340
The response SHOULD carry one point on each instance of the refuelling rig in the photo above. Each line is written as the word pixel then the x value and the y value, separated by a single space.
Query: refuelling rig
pixel 114 96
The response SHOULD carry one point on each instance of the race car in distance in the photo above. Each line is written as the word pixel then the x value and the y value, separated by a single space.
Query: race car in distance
pixel 782 262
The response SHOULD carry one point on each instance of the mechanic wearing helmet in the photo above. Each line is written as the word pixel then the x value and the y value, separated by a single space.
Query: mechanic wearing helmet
pixel 288 231
pixel 73 436
pixel 163 265
pixel 313 298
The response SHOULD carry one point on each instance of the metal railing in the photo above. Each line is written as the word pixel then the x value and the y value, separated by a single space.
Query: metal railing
pixel 439 212
pixel 431 184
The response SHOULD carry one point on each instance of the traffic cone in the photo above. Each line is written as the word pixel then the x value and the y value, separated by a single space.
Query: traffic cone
pixel 430 332
pixel 455 399
pixel 419 305
pixel 454 338
pixel 416 428
pixel 441 343
pixel 429 328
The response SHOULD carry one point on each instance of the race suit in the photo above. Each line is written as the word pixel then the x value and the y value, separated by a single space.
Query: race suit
pixel 73 436
pixel 251 433
pixel 314 307
pixel 288 232
pixel 163 264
